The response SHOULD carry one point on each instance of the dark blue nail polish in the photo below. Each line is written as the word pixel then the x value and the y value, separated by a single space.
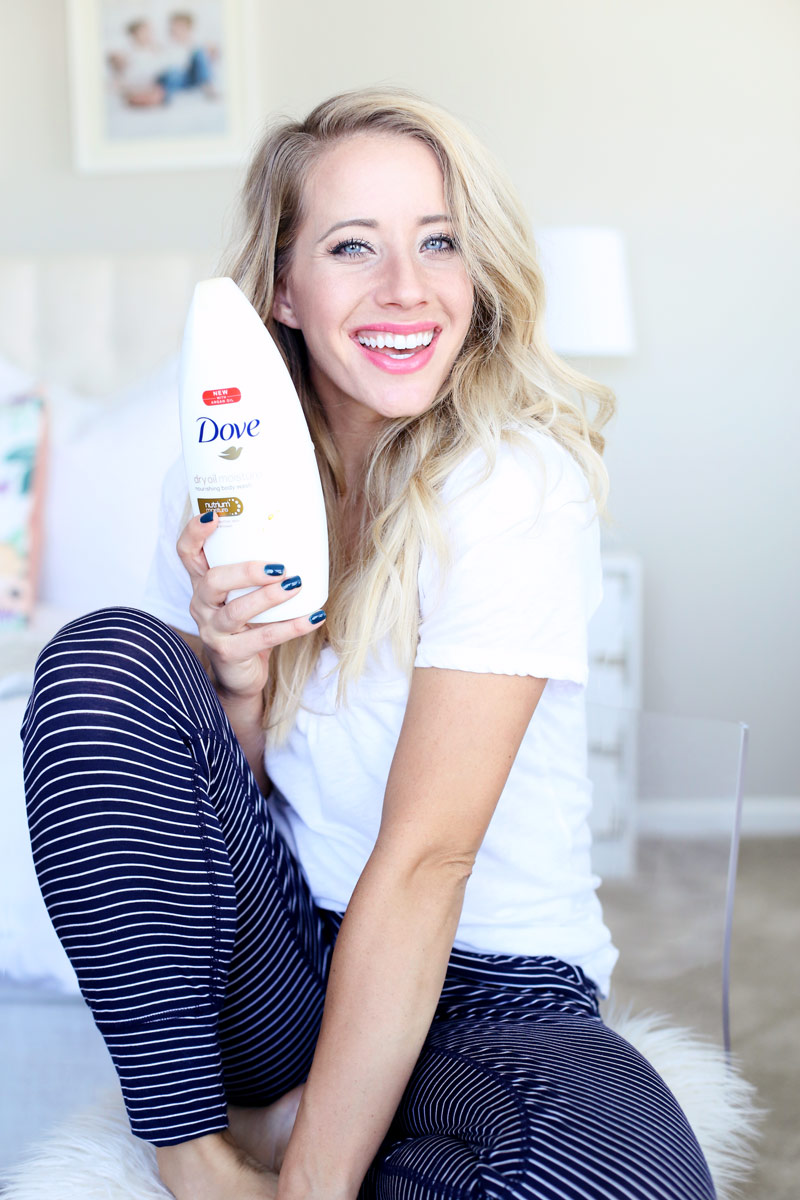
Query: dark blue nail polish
pixel 274 569
pixel 316 617
pixel 207 517
pixel 293 582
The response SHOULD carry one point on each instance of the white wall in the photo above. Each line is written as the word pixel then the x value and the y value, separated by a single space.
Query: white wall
pixel 676 123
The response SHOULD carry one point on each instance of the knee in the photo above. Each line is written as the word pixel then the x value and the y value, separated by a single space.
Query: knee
pixel 110 634
pixel 112 652
pixel 110 680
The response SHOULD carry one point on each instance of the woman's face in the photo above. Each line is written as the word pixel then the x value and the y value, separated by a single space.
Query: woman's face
pixel 375 285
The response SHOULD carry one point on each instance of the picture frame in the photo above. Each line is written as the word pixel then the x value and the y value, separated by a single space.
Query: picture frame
pixel 161 85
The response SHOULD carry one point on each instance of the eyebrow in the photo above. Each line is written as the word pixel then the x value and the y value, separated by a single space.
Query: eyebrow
pixel 370 223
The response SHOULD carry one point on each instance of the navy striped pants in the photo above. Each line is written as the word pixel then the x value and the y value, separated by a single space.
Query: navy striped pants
pixel 203 958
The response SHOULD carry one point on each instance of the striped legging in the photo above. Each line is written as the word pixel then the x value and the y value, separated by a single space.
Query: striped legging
pixel 203 958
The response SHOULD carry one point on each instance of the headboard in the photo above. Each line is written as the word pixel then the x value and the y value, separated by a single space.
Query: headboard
pixel 95 322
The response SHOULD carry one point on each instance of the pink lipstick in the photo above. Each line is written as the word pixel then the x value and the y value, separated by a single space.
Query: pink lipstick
pixel 388 357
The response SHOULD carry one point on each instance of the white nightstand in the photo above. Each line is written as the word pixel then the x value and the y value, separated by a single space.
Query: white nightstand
pixel 614 696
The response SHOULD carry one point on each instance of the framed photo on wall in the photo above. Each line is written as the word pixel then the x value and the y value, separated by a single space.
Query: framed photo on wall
pixel 161 84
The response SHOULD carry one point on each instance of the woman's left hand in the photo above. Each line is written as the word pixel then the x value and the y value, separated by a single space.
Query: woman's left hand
pixel 237 650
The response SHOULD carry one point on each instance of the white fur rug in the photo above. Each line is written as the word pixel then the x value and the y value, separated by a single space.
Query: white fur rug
pixel 719 1104
pixel 93 1156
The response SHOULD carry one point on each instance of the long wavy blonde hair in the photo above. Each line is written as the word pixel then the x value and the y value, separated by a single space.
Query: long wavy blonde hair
pixel 504 377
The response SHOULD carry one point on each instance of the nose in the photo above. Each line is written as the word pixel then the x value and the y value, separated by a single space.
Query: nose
pixel 402 281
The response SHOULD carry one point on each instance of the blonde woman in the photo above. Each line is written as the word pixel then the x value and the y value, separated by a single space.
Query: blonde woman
pixel 330 900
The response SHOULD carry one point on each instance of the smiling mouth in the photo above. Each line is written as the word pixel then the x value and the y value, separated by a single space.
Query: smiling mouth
pixel 396 345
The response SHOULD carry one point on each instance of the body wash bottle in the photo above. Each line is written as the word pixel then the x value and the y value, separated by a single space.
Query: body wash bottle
pixel 246 447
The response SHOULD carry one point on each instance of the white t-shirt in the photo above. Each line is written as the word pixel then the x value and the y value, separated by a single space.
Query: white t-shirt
pixel 523 580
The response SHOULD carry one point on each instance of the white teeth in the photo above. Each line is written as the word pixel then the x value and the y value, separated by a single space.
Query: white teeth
pixel 396 341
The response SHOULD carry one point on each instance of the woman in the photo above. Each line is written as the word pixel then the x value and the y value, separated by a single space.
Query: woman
pixel 425 759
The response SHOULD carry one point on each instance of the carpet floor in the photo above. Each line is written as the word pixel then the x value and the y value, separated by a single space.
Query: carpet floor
pixel 668 924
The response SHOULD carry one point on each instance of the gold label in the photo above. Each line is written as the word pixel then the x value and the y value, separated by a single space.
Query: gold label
pixel 226 506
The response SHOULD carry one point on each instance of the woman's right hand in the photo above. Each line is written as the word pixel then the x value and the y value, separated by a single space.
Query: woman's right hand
pixel 238 652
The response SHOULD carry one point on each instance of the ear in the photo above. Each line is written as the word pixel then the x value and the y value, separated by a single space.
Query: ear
pixel 282 307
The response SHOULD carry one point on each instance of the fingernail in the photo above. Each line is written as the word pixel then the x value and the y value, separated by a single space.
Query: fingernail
pixel 207 516
pixel 316 617
pixel 292 582
pixel 274 569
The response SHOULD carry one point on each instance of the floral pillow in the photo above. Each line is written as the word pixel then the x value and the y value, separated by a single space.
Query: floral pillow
pixel 22 448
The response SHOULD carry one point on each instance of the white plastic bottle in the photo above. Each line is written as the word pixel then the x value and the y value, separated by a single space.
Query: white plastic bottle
pixel 247 450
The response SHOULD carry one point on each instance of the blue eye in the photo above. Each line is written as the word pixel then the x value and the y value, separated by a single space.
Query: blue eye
pixel 351 248
pixel 440 243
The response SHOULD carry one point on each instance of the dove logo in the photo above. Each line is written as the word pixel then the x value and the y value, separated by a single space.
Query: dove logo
pixel 210 430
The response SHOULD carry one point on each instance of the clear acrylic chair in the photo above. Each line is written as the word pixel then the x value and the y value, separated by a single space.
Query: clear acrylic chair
pixel 668 795
pixel 666 824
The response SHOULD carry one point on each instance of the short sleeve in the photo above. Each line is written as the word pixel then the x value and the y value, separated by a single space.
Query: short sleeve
pixel 168 590
pixel 524 575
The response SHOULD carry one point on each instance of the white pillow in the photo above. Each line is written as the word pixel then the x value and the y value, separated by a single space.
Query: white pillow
pixel 106 466
pixel 103 493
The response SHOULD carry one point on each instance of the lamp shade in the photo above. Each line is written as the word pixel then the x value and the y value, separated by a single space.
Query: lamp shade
pixel 589 310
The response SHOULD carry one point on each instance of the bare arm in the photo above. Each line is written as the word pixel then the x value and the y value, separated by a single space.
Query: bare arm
pixel 458 742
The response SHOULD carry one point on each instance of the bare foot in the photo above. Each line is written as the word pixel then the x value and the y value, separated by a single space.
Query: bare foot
pixel 214 1168
pixel 265 1132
